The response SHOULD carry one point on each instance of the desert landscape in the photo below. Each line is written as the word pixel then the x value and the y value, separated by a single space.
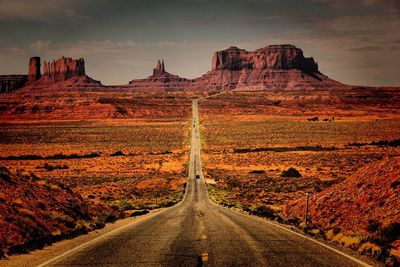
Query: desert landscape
pixel 118 151
pixel 199 133
pixel 248 150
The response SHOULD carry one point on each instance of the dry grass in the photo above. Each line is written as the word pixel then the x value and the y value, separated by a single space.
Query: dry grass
pixel 152 149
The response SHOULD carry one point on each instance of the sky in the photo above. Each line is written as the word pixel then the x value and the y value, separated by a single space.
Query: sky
pixel 354 41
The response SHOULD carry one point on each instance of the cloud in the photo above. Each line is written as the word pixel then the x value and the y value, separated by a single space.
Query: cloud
pixel 346 3
pixel 40 10
pixel 372 48
pixel 40 45
pixel 166 44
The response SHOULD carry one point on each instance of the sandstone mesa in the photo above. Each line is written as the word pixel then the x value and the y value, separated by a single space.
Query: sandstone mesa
pixel 274 67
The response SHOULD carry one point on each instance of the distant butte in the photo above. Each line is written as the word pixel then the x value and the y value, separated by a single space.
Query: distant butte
pixel 274 67
pixel 161 80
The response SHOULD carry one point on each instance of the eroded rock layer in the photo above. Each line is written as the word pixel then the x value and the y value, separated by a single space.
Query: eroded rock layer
pixel 64 68
pixel 9 83
pixel 271 67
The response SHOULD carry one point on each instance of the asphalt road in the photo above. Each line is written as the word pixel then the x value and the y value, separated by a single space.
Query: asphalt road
pixel 197 232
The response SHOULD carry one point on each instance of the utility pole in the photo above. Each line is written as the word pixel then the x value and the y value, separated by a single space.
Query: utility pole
pixel 306 211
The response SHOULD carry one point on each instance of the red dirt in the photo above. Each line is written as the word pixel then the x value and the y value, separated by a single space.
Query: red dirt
pixel 35 212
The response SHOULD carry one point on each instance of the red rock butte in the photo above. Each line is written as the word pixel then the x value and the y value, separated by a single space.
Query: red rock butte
pixel 274 67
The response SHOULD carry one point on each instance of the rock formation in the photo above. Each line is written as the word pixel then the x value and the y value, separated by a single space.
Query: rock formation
pixel 273 57
pixel 160 68
pixel 161 81
pixel 268 68
pixel 34 69
pixel 271 67
pixel 64 69
pixel 9 83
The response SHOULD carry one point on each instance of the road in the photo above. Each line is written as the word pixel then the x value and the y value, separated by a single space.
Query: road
pixel 197 232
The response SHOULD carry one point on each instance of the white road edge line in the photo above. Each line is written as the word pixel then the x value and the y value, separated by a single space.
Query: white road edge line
pixel 86 244
pixel 298 234
pixel 115 230
pixel 104 235
pixel 285 228
pixel 322 244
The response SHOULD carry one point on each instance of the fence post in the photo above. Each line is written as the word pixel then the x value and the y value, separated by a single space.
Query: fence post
pixel 306 211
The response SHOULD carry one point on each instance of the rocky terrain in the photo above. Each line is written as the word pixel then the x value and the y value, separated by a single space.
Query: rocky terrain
pixel 365 205
pixel 36 212
pixel 279 112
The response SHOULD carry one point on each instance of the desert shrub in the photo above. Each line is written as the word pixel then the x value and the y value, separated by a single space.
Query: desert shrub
pixel 118 153
pixel 111 218
pixel 122 205
pixel 22 157
pixel 283 149
pixel 373 226
pixel 74 156
pixel 395 184
pixel 232 183
pixel 41 205
pixel 313 119
pixel 138 213
pixel 371 249
pixel 49 167
pixel 392 143
pixel 390 233
pixel 291 172
pixel 121 110
pixel 356 144
pixel 56 156
pixel 257 171
pixel 264 211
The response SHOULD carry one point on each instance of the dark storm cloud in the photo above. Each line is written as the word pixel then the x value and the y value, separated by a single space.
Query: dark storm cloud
pixel 131 35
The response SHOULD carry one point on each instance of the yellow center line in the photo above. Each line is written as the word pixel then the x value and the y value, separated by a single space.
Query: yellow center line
pixel 204 257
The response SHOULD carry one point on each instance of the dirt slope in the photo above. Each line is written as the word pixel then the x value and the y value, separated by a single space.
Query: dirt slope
pixel 35 212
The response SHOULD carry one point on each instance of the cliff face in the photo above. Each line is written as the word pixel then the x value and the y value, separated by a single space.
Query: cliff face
pixel 64 69
pixel 273 57
pixel 34 69
pixel 271 67
pixel 63 72
pixel 9 83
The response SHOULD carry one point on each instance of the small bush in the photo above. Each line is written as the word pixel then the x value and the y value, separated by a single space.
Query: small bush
pixel 138 213
pixel 373 226
pixel 257 171
pixel 395 184
pixel 291 172
pixel 313 119
pixel 121 110
pixel 122 205
pixel 371 249
pixel 390 233
pixel 49 167
pixel 264 211
pixel 118 153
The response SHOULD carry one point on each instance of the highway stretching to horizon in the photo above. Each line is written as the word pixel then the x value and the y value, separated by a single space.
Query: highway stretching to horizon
pixel 198 232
